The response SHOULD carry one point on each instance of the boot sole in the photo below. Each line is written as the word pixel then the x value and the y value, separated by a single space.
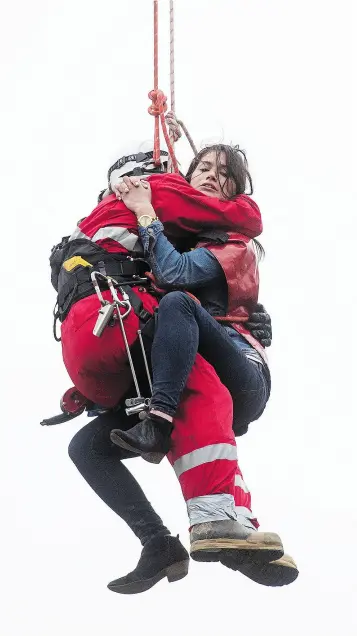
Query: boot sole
pixel 275 574
pixel 174 573
pixel 152 458
pixel 263 549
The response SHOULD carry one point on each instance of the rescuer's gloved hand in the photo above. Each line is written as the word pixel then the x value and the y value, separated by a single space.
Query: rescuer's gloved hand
pixel 259 325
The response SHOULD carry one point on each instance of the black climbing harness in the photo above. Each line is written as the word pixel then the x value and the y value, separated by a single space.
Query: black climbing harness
pixel 109 314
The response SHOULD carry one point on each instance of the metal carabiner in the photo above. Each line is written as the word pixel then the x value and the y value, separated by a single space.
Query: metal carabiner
pixel 110 282
pixel 106 313
pixel 97 288
pixel 120 303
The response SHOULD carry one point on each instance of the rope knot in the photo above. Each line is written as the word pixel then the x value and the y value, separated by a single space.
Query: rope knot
pixel 159 103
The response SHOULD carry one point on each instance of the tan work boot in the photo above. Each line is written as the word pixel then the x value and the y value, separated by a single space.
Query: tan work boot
pixel 275 574
pixel 215 540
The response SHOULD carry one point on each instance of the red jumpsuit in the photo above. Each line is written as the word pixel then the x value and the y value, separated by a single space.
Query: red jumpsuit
pixel 204 457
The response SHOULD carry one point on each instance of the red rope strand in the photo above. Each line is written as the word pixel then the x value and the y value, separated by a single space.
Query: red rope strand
pixel 159 101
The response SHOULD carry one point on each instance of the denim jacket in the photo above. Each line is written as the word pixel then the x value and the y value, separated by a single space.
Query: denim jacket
pixel 197 271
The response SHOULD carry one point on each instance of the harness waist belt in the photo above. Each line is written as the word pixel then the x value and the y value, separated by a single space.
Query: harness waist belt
pixel 77 284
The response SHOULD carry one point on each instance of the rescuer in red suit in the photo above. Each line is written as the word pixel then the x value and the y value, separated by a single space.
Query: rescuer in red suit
pixel 104 240
pixel 125 232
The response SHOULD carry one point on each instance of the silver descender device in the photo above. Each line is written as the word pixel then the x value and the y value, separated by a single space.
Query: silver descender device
pixel 109 312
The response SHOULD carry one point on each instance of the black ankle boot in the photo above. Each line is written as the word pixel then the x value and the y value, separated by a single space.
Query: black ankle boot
pixel 150 438
pixel 163 555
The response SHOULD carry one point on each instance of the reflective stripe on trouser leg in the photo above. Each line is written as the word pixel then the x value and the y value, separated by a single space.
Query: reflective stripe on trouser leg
pixel 211 508
pixel 243 502
pixel 204 454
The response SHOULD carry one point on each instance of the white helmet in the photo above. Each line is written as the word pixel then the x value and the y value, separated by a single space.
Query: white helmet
pixel 140 163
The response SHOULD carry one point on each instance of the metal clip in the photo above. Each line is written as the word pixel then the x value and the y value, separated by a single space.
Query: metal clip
pixel 106 313
pixel 97 288
pixel 136 405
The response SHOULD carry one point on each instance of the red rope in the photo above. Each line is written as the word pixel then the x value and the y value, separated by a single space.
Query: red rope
pixel 153 95
pixel 159 101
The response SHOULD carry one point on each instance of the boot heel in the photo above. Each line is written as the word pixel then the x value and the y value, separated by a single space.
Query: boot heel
pixel 153 458
pixel 177 571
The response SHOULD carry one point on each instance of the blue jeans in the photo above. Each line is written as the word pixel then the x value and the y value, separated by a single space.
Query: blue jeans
pixel 183 329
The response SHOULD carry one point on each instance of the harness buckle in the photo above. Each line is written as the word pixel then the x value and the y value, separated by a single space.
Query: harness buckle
pixel 141 156
pixel 144 315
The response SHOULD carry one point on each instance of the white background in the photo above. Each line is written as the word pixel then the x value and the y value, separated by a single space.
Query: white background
pixel 278 77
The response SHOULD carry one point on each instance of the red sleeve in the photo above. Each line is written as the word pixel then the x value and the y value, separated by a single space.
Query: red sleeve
pixel 109 212
pixel 108 215
pixel 181 208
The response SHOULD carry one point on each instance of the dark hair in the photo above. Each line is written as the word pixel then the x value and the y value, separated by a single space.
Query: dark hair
pixel 236 166
pixel 237 170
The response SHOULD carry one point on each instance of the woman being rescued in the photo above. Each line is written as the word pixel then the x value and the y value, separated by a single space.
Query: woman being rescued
pixel 211 321
pixel 96 365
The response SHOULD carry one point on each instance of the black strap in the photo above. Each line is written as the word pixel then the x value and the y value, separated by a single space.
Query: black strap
pixel 137 304
pixel 101 268
pixel 78 285
pixel 139 157
pixel 56 317
pixel 218 236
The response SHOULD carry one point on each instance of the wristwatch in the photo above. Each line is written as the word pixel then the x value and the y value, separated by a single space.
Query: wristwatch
pixel 146 219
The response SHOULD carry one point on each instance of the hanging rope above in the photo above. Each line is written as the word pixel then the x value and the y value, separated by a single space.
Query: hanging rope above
pixel 173 135
pixel 172 57
pixel 159 101
pixel 175 125
pixel 172 127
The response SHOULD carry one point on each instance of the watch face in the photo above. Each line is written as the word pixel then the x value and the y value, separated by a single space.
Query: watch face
pixel 145 221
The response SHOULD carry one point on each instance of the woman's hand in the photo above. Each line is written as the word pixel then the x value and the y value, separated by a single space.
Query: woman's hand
pixel 136 194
